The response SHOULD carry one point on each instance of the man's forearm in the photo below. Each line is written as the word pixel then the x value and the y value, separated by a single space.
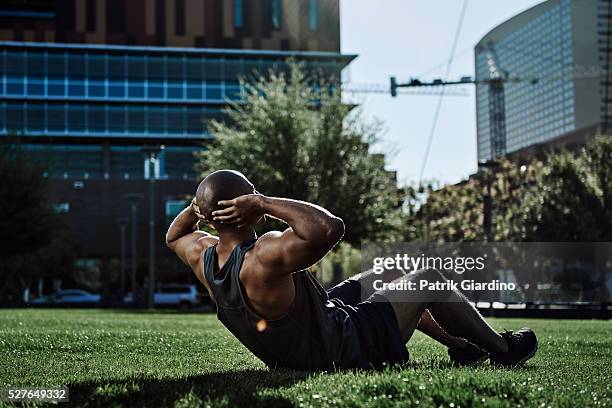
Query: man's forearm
pixel 184 223
pixel 309 221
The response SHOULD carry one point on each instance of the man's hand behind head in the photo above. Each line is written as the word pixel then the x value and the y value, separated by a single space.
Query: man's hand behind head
pixel 196 210
pixel 244 210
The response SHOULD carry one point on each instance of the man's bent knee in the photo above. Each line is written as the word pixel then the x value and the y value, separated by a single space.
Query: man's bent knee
pixel 430 275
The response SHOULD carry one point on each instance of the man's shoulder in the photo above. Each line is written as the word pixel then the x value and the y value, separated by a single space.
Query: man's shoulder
pixel 268 236
pixel 260 249
pixel 202 244
pixel 208 240
pixel 266 241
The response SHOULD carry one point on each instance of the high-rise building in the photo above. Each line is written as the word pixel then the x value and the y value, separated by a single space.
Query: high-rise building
pixel 93 85
pixel 546 78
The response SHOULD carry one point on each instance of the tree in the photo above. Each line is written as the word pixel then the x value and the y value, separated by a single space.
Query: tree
pixel 293 137
pixel 33 244
pixel 568 197
pixel 572 199
pixel 25 212
pixel 455 213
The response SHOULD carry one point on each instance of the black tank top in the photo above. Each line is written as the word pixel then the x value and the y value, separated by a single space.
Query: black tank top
pixel 314 334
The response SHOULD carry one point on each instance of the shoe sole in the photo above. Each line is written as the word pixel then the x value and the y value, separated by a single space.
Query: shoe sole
pixel 521 361
pixel 481 360
pixel 527 357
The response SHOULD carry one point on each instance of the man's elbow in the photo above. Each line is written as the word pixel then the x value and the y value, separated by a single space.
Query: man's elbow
pixel 335 230
pixel 170 243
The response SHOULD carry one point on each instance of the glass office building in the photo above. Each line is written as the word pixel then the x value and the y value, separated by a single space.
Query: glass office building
pixel 89 84
pixel 539 78
pixel 112 98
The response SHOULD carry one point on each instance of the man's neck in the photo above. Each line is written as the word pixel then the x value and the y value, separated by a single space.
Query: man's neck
pixel 229 239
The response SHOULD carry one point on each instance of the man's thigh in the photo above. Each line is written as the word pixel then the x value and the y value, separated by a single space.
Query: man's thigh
pixel 360 287
pixel 408 305
pixel 406 313
pixel 348 291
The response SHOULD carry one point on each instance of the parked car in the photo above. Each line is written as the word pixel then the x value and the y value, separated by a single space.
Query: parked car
pixel 69 297
pixel 174 295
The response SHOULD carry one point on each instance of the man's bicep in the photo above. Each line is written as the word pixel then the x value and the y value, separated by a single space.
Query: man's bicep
pixel 286 252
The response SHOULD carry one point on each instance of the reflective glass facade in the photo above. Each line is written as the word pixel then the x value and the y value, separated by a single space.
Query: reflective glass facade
pixel 90 83
pixel 109 161
pixel 105 96
pixel 52 91
pixel 604 47
pixel 108 120
pixel 541 106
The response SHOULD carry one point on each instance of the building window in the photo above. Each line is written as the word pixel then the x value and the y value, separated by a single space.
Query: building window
pixel 179 17
pixel 156 120
pixel 72 160
pixel 137 119
pixel 28 9
pixel 173 208
pixel 238 14
pixel 194 120
pixel 56 67
pixel 116 119
pixel 276 14
pixel 314 15
pixel 77 118
pixel 89 267
pixel 96 119
pixel 15 118
pixel 126 162
pixel 36 117
pixel 61 208
pixel 56 120
pixel 90 18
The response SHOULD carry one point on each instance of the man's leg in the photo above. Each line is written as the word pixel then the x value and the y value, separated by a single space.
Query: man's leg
pixel 450 309
pixel 359 287
pixel 427 324
pixel 431 328
pixel 367 278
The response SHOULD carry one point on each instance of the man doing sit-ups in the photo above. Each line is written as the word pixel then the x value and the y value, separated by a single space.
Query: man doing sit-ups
pixel 267 298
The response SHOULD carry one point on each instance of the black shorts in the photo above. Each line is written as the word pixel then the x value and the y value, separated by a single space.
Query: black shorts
pixel 375 323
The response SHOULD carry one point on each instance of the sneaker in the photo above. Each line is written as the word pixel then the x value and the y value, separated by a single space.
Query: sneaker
pixel 522 345
pixel 470 354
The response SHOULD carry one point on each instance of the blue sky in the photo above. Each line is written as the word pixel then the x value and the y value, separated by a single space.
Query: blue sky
pixel 413 38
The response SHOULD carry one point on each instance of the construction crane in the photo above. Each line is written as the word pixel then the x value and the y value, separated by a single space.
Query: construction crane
pixel 377 88
pixel 497 78
pixel 497 103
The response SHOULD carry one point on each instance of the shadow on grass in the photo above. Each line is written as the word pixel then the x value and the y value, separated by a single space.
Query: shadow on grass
pixel 433 363
pixel 229 388
pixel 232 388
pixel 205 310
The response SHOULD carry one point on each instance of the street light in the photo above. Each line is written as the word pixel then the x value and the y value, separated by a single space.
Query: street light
pixel 152 170
pixel 488 167
pixel 133 199
pixel 123 223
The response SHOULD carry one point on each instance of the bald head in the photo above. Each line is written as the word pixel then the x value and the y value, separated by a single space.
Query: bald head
pixel 221 185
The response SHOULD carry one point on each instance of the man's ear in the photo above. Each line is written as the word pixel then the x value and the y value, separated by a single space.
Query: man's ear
pixel 203 220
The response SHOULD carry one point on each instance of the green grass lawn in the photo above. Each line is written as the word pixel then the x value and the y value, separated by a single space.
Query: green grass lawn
pixel 109 358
